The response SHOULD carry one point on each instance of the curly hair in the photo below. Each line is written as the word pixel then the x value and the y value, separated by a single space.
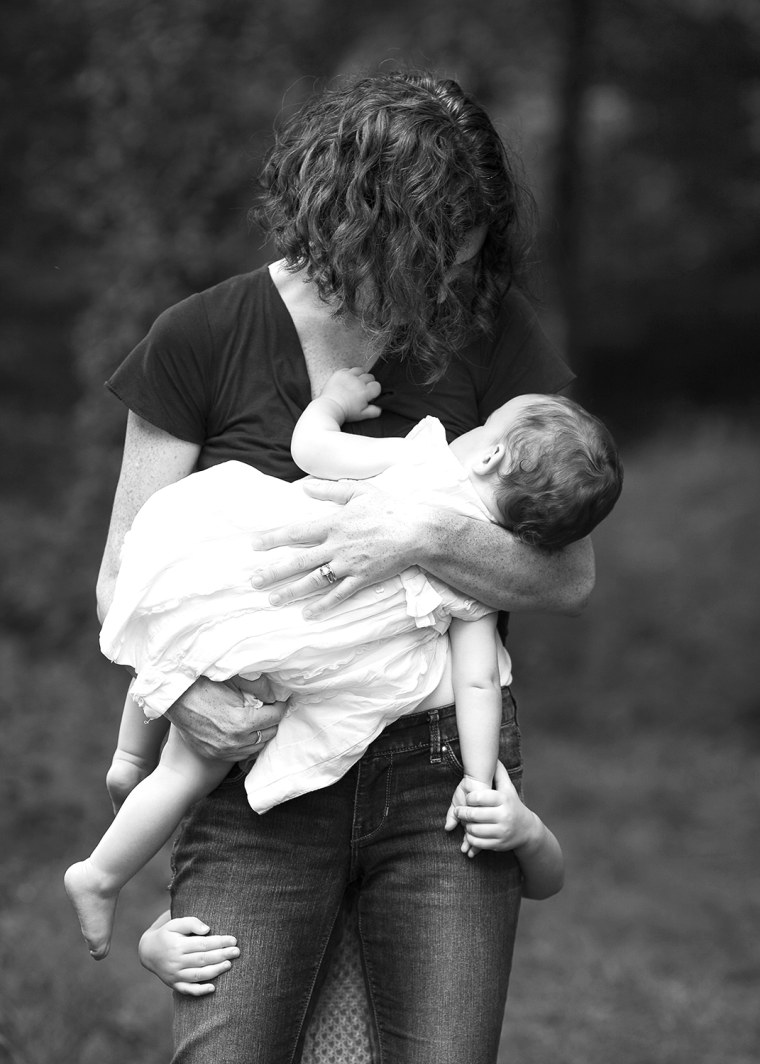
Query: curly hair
pixel 563 474
pixel 372 187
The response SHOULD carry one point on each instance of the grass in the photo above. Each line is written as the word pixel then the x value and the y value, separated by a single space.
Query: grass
pixel 642 740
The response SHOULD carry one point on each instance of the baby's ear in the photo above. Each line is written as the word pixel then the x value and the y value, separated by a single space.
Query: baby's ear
pixel 491 458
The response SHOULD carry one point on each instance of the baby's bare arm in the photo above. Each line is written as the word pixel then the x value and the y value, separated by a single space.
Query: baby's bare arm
pixel 477 694
pixel 320 447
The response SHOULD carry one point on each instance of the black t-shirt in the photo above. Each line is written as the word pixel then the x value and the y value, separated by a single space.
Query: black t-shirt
pixel 224 369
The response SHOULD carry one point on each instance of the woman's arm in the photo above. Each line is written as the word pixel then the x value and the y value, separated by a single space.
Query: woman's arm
pixel 218 719
pixel 377 536
pixel 152 459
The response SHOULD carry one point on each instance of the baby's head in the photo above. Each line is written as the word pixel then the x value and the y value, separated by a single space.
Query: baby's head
pixel 561 474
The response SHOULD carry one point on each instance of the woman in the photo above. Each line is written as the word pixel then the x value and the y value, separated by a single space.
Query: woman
pixel 397 215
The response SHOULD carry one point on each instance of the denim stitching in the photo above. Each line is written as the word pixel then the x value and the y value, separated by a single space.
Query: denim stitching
pixel 386 809
pixel 370 987
pixel 313 984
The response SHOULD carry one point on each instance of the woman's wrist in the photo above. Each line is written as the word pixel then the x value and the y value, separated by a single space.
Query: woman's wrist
pixel 422 536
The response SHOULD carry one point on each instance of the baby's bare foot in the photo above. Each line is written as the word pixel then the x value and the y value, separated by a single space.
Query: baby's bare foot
pixel 95 906
pixel 122 778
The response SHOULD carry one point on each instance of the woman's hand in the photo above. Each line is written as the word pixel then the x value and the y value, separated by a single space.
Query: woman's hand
pixel 373 537
pixel 183 954
pixel 227 721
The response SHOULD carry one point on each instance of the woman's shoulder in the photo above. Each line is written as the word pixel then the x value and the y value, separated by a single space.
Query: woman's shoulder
pixel 237 297
pixel 226 302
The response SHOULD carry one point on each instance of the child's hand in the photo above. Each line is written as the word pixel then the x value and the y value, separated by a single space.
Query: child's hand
pixel 459 800
pixel 353 390
pixel 184 956
pixel 493 819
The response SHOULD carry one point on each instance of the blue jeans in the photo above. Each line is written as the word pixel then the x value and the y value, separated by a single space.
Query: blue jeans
pixel 436 928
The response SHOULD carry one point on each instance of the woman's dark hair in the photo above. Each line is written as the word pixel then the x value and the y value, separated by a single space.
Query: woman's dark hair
pixel 372 186
pixel 563 474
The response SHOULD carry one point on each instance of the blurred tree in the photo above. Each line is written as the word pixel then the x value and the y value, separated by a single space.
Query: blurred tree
pixel 41 131
pixel 570 161
pixel 672 241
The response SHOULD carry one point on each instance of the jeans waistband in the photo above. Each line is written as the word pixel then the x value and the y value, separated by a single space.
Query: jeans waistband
pixel 429 728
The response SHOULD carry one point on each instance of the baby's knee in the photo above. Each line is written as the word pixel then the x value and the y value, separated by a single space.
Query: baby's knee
pixel 122 778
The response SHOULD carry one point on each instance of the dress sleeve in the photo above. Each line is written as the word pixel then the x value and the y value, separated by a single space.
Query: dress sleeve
pixel 523 358
pixel 166 378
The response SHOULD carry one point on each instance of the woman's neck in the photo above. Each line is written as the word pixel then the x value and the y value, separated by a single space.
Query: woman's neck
pixel 328 343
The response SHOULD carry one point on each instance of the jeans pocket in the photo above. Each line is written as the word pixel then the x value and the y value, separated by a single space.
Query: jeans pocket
pixel 510 752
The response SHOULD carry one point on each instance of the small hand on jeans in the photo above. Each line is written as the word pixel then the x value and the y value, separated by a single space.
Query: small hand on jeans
pixel 184 955
pixel 229 721
pixel 492 818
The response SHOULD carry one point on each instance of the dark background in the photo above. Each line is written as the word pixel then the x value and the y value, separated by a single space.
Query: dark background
pixel 130 137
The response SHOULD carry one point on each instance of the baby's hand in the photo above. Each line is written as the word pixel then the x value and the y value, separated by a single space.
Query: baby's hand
pixel 183 954
pixel 353 390
pixel 493 819
pixel 459 800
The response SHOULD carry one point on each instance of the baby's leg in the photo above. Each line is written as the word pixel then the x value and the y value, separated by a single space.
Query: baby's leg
pixel 137 752
pixel 144 823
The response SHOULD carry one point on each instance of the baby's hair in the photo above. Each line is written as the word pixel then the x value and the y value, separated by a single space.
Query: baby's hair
pixel 563 475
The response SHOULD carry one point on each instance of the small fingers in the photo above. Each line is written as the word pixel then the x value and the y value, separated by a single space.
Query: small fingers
pixel 189 925
pixel 368 412
pixel 200 974
pixel 202 958
pixel 451 819
pixel 473 814
pixel 469 849
pixel 483 797
pixel 194 989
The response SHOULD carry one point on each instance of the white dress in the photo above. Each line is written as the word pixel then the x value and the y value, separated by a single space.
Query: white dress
pixel 184 607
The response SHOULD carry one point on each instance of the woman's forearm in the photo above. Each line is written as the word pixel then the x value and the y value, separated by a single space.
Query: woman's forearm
pixel 486 562
pixel 374 536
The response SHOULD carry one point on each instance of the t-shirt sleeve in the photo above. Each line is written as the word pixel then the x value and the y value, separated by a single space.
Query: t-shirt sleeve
pixel 166 378
pixel 524 360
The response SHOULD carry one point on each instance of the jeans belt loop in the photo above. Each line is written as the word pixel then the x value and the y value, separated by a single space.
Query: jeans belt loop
pixel 435 737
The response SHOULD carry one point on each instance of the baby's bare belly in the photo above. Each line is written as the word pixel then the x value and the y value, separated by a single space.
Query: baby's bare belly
pixel 443 694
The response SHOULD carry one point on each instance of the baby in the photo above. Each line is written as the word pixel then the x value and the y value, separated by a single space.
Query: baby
pixel 184 607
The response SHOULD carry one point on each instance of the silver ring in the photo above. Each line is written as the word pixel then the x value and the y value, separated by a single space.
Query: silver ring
pixel 257 740
pixel 327 573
